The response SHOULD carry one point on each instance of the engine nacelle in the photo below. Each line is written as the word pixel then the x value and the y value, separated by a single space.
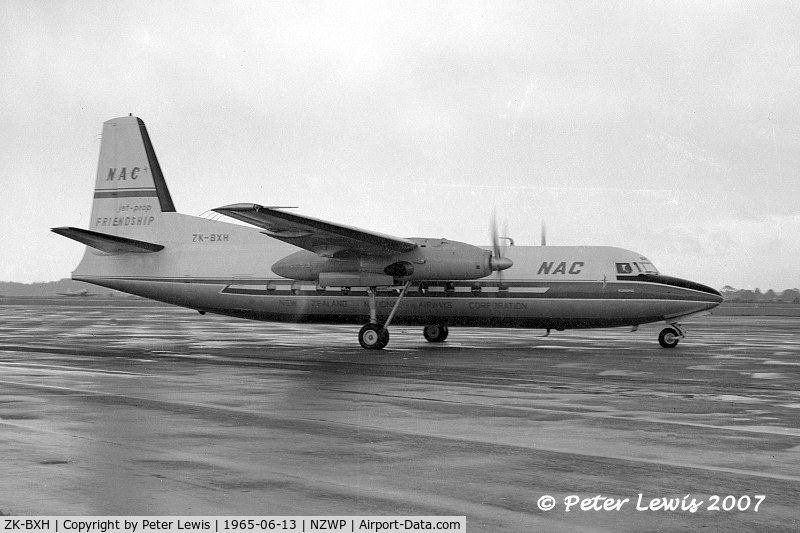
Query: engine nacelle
pixel 433 259
pixel 441 259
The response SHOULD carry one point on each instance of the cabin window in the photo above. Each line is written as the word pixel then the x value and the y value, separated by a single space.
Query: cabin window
pixel 624 268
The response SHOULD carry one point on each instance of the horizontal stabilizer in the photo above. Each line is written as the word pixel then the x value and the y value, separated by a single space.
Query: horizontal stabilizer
pixel 111 244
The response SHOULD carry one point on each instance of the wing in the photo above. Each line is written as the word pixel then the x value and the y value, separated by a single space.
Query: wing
pixel 323 238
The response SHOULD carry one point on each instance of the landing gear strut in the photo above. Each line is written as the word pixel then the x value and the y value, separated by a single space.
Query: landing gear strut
pixel 373 336
pixel 669 337
pixel 437 333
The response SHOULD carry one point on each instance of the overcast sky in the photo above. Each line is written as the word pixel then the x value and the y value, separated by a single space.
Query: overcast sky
pixel 669 128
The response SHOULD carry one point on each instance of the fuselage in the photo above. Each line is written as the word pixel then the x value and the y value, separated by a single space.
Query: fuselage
pixel 226 268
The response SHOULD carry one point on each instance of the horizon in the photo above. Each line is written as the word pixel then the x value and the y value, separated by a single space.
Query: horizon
pixel 671 130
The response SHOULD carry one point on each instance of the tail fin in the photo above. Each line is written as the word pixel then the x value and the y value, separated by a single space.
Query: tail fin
pixel 130 192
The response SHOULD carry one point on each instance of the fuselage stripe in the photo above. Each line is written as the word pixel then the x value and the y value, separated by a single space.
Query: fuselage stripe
pixel 491 289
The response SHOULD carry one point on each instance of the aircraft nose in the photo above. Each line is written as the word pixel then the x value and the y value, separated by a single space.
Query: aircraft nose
pixel 718 297
pixel 708 294
pixel 713 295
pixel 500 263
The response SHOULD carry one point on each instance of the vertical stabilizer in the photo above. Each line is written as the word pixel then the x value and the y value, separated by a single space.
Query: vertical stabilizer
pixel 130 192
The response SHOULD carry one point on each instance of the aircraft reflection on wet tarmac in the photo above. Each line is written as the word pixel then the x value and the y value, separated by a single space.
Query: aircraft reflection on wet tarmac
pixel 152 410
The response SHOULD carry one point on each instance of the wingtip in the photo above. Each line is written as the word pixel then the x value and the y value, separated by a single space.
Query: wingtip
pixel 237 208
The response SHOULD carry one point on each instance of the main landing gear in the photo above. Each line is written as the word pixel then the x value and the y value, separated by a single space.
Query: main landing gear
pixel 437 333
pixel 374 336
pixel 669 337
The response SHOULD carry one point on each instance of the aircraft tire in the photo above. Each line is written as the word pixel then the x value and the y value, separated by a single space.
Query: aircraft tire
pixel 669 337
pixel 436 333
pixel 373 337
pixel 384 338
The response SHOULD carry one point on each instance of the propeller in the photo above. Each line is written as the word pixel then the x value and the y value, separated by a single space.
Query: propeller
pixel 497 261
pixel 544 234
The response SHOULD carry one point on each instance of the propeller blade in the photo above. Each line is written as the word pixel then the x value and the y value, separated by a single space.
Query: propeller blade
pixel 495 236
pixel 544 234
pixel 497 261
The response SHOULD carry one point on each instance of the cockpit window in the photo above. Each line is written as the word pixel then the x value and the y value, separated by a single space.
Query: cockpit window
pixel 624 268
pixel 648 267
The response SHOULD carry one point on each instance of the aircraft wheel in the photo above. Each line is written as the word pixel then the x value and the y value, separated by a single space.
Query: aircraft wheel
pixel 437 333
pixel 669 337
pixel 373 337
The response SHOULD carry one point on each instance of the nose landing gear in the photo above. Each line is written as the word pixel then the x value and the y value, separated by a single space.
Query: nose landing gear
pixel 669 337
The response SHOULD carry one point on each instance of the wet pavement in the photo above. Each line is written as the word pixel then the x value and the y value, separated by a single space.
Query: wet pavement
pixel 151 410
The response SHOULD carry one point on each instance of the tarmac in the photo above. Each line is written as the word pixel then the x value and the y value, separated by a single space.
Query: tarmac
pixel 108 408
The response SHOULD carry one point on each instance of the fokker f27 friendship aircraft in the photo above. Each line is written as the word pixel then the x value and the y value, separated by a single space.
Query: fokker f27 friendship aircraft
pixel 294 268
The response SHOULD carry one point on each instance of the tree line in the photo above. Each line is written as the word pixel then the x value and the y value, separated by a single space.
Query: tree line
pixel 788 296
